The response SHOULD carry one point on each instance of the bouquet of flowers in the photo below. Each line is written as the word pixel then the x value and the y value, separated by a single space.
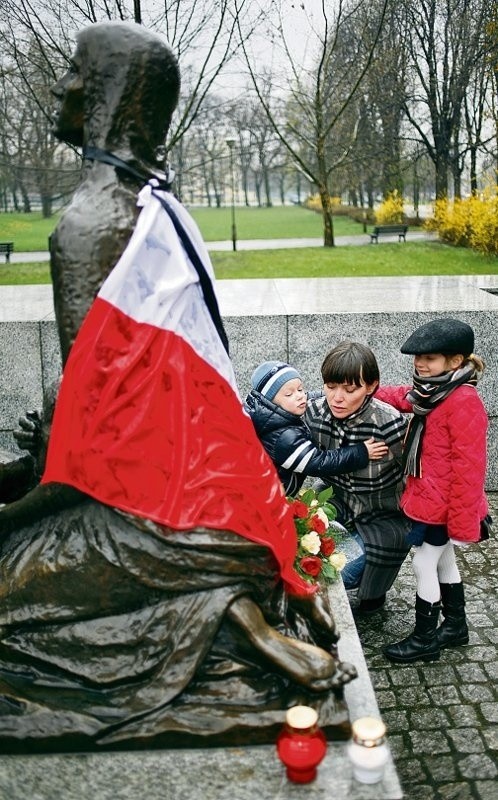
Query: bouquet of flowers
pixel 317 536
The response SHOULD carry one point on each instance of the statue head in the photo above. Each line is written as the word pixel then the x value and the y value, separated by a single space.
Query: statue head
pixel 120 91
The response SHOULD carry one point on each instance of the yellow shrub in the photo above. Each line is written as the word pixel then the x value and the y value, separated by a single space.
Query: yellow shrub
pixel 315 204
pixel 472 222
pixel 484 225
pixel 391 210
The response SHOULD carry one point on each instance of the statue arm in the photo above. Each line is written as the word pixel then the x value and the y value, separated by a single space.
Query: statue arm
pixel 17 477
pixel 40 501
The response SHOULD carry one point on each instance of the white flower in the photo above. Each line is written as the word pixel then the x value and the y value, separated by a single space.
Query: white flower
pixel 314 503
pixel 320 513
pixel 311 542
pixel 338 560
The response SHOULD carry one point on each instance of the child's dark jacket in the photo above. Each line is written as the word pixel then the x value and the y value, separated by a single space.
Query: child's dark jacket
pixel 287 440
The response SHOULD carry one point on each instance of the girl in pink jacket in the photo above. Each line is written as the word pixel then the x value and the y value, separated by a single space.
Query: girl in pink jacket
pixel 445 466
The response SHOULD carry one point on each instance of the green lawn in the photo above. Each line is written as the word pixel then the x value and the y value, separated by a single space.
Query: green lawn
pixel 17 274
pixel 30 232
pixel 279 222
pixel 415 258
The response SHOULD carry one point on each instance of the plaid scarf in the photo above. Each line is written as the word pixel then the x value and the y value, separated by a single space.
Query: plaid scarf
pixel 425 395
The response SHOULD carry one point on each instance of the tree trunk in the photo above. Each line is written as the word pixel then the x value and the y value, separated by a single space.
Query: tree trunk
pixel 441 166
pixel 207 189
pixel 245 188
pixel 46 202
pixel 457 181
pixel 25 199
pixel 328 224
pixel 269 202
pixel 257 189
pixel 281 189
pixel 298 188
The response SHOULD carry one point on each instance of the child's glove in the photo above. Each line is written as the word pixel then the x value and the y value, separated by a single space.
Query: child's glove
pixel 416 535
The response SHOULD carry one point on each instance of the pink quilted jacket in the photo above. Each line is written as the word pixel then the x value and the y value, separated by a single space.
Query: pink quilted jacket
pixel 451 489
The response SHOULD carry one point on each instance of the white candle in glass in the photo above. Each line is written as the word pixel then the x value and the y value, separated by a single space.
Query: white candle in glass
pixel 368 751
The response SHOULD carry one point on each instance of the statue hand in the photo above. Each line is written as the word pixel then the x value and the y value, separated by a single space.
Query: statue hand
pixel 29 436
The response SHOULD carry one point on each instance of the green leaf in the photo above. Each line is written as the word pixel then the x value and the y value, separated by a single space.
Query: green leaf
pixel 307 496
pixel 330 511
pixel 325 494
pixel 329 573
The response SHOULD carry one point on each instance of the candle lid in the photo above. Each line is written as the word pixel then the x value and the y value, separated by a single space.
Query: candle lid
pixel 301 717
pixel 368 731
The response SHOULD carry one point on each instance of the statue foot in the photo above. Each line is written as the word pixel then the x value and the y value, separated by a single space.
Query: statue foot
pixel 306 664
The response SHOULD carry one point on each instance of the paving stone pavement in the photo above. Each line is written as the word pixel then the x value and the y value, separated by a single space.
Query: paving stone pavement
pixel 442 716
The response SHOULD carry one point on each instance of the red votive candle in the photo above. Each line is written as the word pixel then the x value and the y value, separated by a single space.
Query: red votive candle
pixel 301 745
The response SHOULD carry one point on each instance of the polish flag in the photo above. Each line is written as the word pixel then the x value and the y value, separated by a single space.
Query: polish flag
pixel 148 417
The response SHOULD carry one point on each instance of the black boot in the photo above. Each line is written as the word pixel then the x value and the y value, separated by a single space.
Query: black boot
pixel 371 605
pixel 422 644
pixel 453 631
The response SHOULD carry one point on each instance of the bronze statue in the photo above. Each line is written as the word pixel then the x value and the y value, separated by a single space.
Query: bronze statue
pixel 115 631
pixel 128 114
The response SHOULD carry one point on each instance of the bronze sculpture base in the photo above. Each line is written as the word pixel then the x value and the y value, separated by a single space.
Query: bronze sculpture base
pixel 116 634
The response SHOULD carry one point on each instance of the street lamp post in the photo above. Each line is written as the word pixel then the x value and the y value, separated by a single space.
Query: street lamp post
pixel 231 144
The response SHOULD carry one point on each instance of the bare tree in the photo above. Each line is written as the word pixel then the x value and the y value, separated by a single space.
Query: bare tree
pixel 200 32
pixel 205 150
pixel 259 147
pixel 491 70
pixel 32 163
pixel 318 96
pixel 446 44
pixel 383 97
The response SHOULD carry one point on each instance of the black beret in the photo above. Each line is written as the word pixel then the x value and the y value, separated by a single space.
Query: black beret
pixel 446 336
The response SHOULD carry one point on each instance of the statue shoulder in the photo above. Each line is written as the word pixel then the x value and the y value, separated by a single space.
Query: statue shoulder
pixel 87 243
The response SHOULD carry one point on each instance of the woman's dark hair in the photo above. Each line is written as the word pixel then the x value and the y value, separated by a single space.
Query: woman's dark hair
pixel 350 362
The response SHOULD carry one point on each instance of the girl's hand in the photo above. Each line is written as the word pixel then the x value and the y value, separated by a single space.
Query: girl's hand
pixel 376 450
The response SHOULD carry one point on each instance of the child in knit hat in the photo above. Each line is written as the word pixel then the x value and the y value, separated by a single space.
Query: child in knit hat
pixel 276 405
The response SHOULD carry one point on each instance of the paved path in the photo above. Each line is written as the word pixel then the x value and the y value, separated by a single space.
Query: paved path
pixel 261 244
pixel 442 716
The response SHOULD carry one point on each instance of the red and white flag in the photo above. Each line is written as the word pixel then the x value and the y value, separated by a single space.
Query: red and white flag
pixel 148 417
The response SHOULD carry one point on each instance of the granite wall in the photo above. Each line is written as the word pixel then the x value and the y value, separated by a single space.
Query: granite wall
pixel 292 320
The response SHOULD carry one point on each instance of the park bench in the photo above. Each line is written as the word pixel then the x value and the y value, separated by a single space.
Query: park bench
pixel 379 230
pixel 7 248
